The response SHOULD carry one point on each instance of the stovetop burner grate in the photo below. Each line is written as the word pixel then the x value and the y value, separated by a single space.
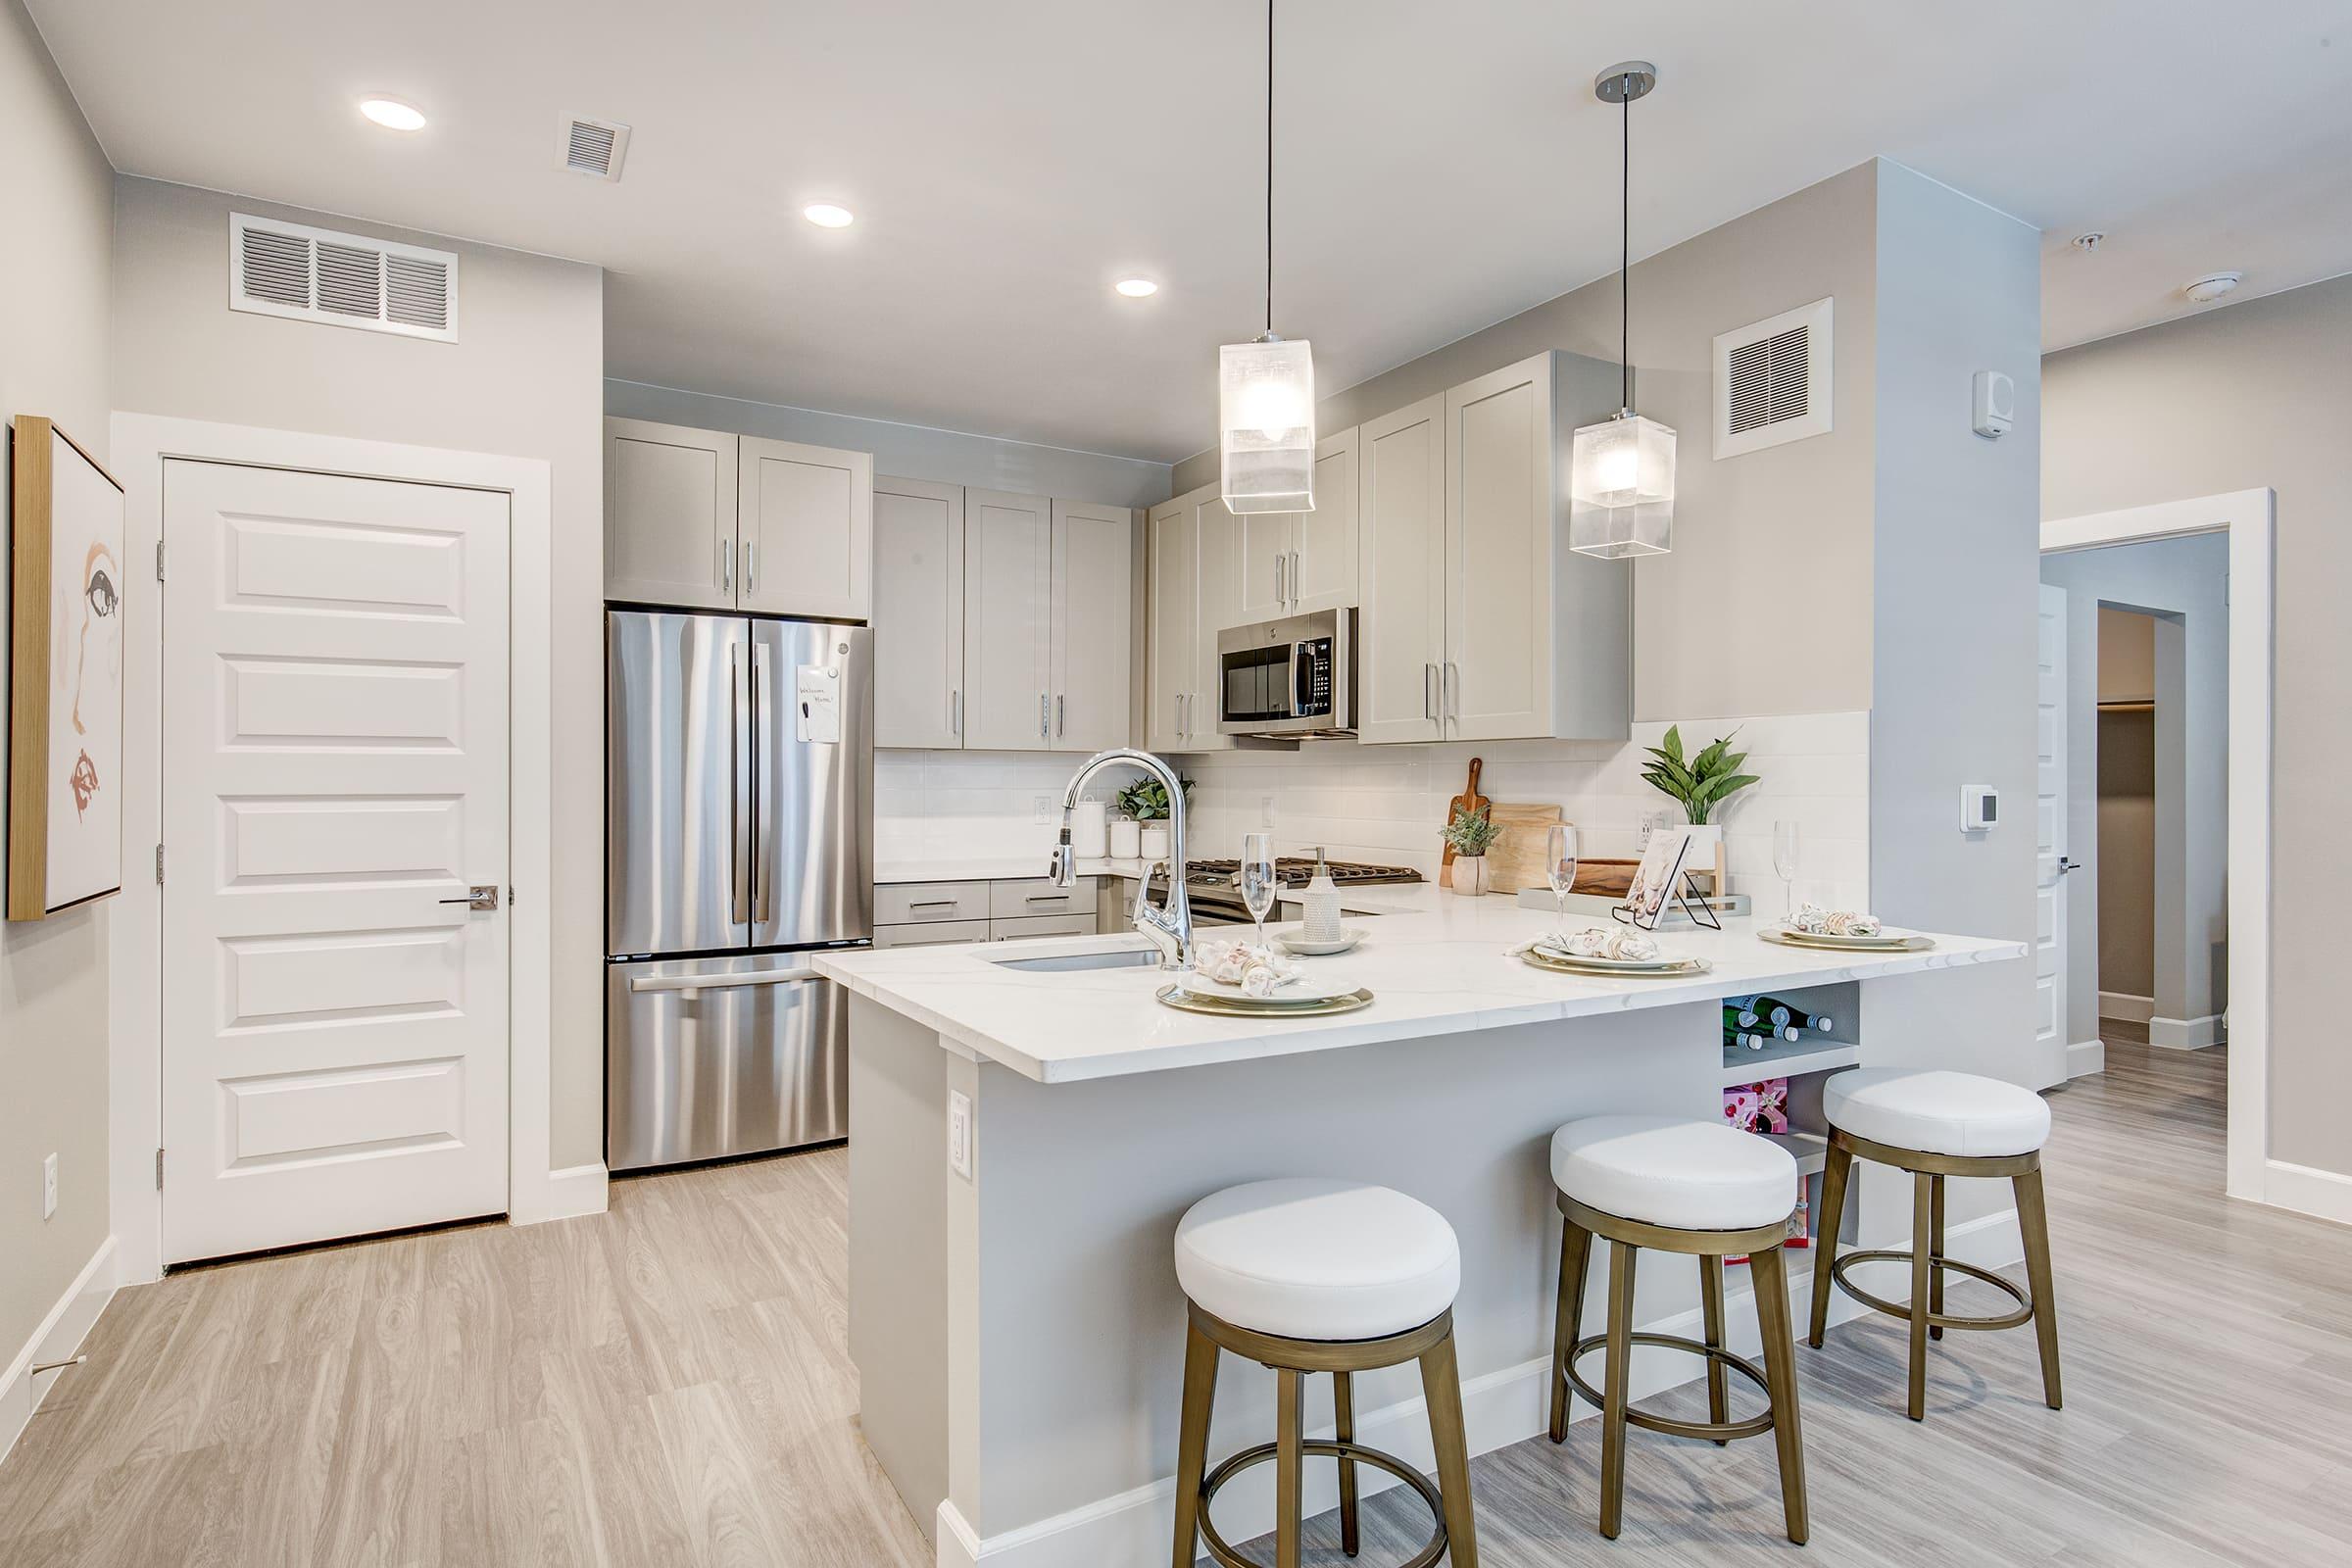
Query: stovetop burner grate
pixel 1296 871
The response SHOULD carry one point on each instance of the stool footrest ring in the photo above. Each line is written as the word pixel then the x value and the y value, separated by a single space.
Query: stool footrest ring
pixel 1942 1320
pixel 1222 1550
pixel 1650 1421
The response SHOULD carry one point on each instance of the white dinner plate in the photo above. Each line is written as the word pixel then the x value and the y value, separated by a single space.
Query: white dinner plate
pixel 1553 950
pixel 1304 988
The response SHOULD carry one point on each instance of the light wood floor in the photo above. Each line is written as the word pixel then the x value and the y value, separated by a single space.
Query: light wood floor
pixel 666 1384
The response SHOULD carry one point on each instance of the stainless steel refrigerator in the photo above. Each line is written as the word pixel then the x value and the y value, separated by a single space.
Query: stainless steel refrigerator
pixel 739 798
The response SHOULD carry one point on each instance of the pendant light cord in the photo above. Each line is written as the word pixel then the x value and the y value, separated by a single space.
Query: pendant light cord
pixel 1624 254
pixel 1269 167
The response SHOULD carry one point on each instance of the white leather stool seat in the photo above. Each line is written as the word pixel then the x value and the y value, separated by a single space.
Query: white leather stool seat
pixel 1311 1258
pixel 1665 1170
pixel 1937 1112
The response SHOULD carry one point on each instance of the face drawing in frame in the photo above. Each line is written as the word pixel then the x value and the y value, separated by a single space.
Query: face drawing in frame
pixel 100 599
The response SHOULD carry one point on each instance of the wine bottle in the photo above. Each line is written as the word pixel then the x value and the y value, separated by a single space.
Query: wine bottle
pixel 1735 1016
pixel 1783 1012
pixel 1746 1038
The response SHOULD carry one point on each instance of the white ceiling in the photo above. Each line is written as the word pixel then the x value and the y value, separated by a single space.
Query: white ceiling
pixel 1440 167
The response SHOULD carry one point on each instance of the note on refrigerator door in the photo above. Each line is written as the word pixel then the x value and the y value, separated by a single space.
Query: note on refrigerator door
pixel 819 704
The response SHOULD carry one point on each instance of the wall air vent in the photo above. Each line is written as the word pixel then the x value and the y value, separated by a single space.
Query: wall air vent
pixel 315 275
pixel 596 148
pixel 1771 382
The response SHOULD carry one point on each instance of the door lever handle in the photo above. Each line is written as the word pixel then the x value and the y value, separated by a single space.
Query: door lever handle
pixel 482 896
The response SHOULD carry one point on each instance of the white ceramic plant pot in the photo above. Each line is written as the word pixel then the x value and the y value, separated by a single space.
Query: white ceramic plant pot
pixel 1155 840
pixel 1470 875
pixel 1126 839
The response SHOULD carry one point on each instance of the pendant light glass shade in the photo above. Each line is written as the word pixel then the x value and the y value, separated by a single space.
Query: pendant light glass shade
pixel 1266 425
pixel 1621 488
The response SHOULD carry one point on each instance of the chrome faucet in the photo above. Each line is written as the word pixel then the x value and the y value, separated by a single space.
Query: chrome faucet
pixel 1170 924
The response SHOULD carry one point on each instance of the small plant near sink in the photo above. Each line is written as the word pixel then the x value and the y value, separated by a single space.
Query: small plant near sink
pixel 1470 834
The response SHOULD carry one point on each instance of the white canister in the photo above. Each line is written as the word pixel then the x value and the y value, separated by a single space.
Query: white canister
pixel 1155 840
pixel 1126 839
pixel 1090 830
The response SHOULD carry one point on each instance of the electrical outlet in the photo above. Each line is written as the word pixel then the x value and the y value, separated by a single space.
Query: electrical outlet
pixel 1041 807
pixel 959 1133
pixel 1265 811
pixel 48 1187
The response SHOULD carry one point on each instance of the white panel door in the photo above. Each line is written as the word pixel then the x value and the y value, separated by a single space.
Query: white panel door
pixel 1172 536
pixel 919 614
pixel 1094 619
pixel 807 529
pixel 335 1032
pixel 1007 621
pixel 2050 863
pixel 1322 573
pixel 1401 513
pixel 670 514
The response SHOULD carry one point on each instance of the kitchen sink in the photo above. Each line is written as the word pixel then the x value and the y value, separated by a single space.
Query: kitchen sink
pixel 1067 962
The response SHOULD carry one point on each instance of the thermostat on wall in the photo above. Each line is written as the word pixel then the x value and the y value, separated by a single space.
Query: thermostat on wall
pixel 1980 808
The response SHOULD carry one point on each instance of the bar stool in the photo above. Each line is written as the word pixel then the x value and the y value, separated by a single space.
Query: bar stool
pixel 1679 1186
pixel 1935 1125
pixel 1311 1275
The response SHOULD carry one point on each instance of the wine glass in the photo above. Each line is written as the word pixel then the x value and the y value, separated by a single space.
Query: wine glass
pixel 1783 863
pixel 1559 864
pixel 1257 879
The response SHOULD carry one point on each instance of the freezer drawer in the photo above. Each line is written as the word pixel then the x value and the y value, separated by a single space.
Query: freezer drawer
pixel 706 1057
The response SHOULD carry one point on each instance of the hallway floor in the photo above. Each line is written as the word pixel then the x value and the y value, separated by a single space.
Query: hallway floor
pixel 667 1384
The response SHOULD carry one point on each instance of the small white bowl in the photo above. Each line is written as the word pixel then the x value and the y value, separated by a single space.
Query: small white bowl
pixel 1294 940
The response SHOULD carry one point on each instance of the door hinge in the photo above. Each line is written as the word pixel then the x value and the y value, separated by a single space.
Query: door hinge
pixel 159 865
pixel 159 561
pixel 159 1170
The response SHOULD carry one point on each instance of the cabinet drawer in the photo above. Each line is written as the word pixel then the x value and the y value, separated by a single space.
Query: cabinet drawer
pixel 907 902
pixel 1039 896
pixel 930 934
pixel 1043 925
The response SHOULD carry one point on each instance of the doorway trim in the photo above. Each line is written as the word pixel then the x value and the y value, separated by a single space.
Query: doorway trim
pixel 141 444
pixel 2250 519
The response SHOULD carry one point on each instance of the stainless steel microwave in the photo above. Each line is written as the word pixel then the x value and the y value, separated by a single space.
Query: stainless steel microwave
pixel 1288 678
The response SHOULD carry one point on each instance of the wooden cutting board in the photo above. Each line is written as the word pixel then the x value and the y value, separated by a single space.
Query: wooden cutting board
pixel 1468 800
pixel 1517 858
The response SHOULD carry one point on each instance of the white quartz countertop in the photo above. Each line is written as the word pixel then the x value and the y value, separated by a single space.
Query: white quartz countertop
pixel 1438 964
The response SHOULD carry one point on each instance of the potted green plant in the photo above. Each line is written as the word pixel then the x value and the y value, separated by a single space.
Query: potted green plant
pixel 1146 802
pixel 1698 784
pixel 1470 834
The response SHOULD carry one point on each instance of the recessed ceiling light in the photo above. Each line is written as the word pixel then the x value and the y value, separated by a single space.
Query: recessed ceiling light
pixel 824 214
pixel 2091 241
pixel 2212 286
pixel 1136 288
pixel 392 114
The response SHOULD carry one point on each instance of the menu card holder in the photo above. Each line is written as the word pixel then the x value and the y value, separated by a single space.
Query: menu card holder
pixel 1661 878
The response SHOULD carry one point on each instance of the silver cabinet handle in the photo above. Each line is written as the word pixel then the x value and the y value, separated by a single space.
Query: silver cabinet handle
pixel 1062 714
pixel 726 567
pixel 1041 730
pixel 721 982
pixel 1048 897
pixel 1281 565
pixel 1429 692
pixel 933 903
pixel 1297 580
pixel 956 712
pixel 750 567
pixel 1451 687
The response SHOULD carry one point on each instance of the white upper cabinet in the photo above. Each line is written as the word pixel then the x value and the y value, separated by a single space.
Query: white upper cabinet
pixel 1291 562
pixel 670 514
pixel 1400 632
pixel 1172 644
pixel 1499 548
pixel 805 530
pixel 1264 542
pixel 919 614
pixel 1094 617
pixel 1220 535
pixel 1007 621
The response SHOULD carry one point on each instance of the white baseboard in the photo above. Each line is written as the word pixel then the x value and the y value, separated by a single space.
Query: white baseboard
pixel 2084 1058
pixel 60 1336
pixel 2187 1034
pixel 570 1192
pixel 1133 1529
pixel 2126 1008
pixel 2306 1190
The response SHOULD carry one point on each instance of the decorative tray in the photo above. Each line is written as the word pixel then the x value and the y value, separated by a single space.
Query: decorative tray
pixel 1614 968
pixel 1879 944
pixel 1242 1007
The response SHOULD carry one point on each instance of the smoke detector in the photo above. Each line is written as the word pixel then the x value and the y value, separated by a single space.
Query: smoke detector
pixel 2212 286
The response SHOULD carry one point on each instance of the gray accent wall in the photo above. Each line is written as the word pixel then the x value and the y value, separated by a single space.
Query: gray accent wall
pixel 2245 397
pixel 525 379
pixel 54 1001
pixel 909 451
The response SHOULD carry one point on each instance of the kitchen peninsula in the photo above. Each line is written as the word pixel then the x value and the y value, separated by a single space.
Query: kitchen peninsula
pixel 1028 1123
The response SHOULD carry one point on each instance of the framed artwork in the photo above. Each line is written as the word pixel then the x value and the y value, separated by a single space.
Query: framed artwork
pixel 64 710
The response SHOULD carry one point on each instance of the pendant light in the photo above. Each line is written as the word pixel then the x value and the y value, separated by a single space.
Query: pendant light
pixel 1621 485
pixel 1266 389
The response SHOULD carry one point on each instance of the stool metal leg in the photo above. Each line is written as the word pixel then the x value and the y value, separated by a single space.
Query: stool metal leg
pixel 1770 1271
pixel 1710 1292
pixel 1289 1388
pixel 1343 1410
pixel 1922 1220
pixel 1192 1448
pixel 2034 1221
pixel 1834 1175
pixel 1576 1250
pixel 1442 1392
pixel 1936 1268
pixel 1618 1374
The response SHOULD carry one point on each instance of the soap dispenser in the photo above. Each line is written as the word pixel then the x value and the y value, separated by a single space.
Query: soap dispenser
pixel 1322 916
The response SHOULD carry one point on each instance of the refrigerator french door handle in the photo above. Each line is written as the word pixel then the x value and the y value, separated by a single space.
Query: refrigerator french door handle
pixel 763 717
pixel 739 827
pixel 721 982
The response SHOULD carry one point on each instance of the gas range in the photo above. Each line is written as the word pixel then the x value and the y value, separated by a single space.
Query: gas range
pixel 1213 887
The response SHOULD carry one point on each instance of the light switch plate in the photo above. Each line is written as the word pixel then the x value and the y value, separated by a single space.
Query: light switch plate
pixel 959 1133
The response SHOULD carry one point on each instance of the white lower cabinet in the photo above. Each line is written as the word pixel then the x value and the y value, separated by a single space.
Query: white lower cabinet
pixel 931 934
pixel 916 914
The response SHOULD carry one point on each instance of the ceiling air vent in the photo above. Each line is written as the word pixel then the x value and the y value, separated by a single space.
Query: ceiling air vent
pixel 1771 382
pixel 313 274
pixel 596 148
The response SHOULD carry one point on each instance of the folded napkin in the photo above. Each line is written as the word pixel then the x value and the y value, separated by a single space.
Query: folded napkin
pixel 1254 969
pixel 1815 920
pixel 1593 942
